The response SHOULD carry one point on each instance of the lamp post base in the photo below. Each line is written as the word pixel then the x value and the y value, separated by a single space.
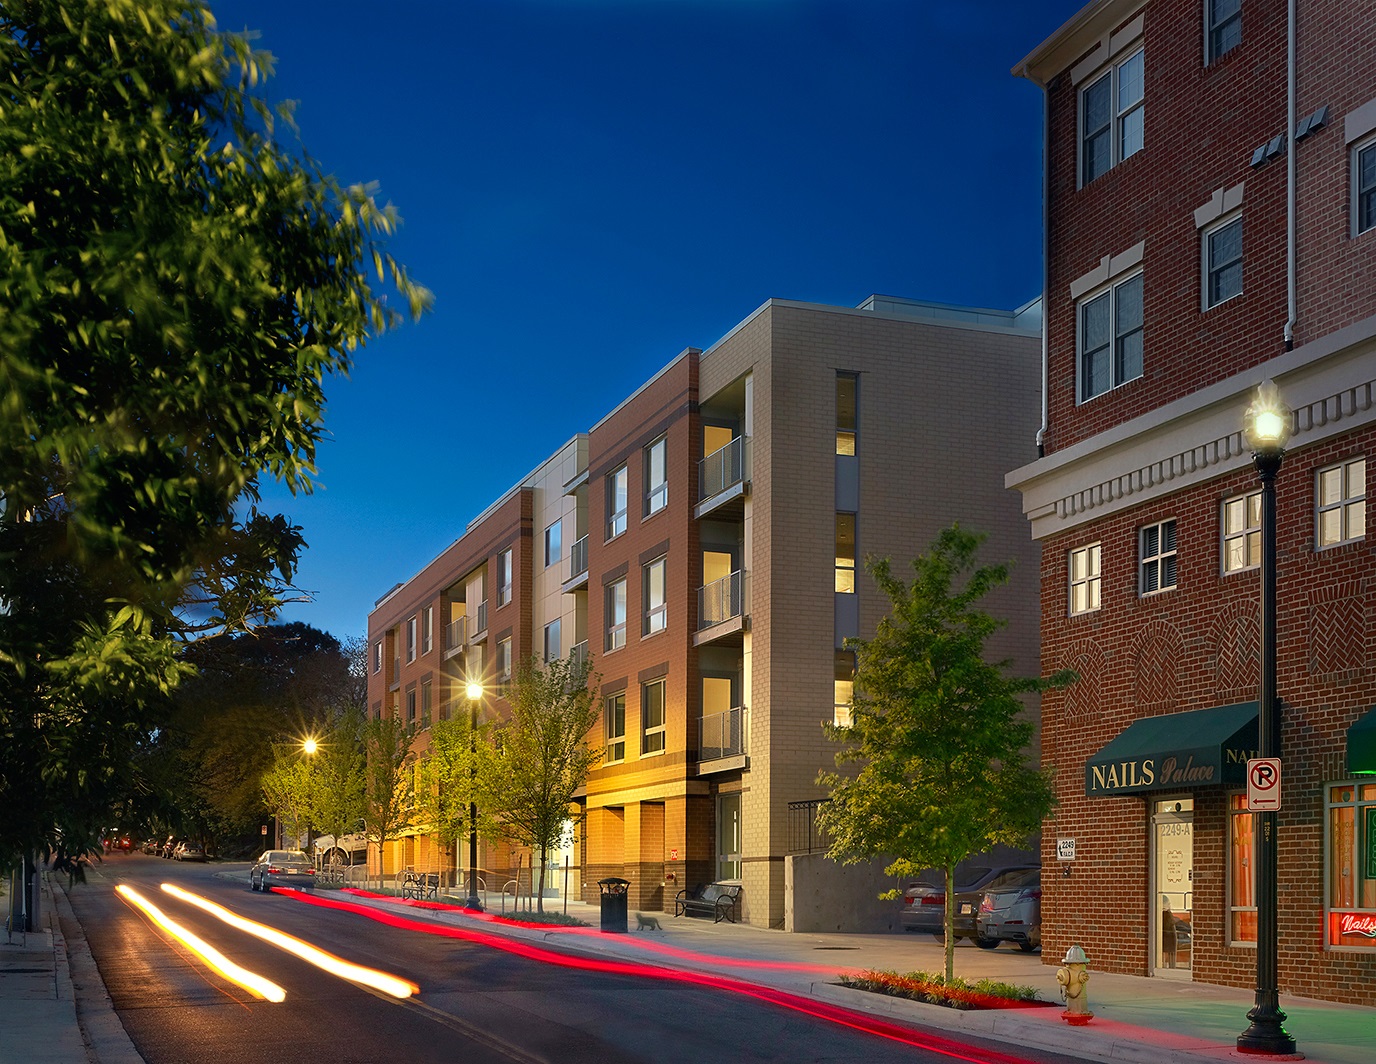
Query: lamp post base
pixel 1266 1033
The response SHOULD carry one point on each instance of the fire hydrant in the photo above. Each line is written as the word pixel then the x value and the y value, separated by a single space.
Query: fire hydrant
pixel 1074 979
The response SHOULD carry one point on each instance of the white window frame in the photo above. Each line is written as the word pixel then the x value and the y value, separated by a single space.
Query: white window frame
pixel 1091 578
pixel 656 491
pixel 617 485
pixel 427 629
pixel 554 545
pixel 1364 148
pixel 1209 268
pixel 1155 560
pixel 1349 506
pixel 504 659
pixel 410 639
pixel 377 657
pixel 554 629
pixel 1117 336
pixel 1213 30
pixel 653 737
pixel 656 608
pixel 505 577
pixel 615 727
pixel 411 708
pixel 1239 528
pixel 1119 114
pixel 615 619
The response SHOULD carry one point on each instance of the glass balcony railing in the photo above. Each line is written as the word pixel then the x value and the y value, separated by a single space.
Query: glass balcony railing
pixel 721 734
pixel 723 600
pixel 455 634
pixel 724 468
pixel 578 558
pixel 578 653
pixel 480 620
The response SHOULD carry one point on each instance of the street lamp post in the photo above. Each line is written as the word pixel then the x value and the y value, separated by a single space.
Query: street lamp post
pixel 1267 428
pixel 475 694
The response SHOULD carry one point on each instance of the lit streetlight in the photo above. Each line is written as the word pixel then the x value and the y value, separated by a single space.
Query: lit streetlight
pixel 1267 428
pixel 475 694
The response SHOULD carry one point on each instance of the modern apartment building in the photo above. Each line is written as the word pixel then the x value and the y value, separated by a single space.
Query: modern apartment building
pixel 704 544
pixel 1207 226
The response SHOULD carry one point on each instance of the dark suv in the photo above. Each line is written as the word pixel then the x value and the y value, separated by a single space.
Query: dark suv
pixel 924 904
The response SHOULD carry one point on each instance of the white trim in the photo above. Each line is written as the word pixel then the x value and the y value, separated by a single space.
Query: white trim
pixel 1206 263
pixel 1223 201
pixel 1360 121
pixel 1109 268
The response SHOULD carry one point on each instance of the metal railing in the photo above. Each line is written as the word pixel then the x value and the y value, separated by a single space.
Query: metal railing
pixel 805 835
pixel 578 653
pixel 578 558
pixel 721 734
pixel 724 468
pixel 456 634
pixel 722 600
pixel 480 621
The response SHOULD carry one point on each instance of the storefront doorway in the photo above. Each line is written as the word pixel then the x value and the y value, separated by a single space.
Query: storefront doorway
pixel 1172 864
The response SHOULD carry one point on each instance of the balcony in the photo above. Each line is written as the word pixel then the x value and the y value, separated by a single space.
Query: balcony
pixel 724 479
pixel 723 608
pixel 578 565
pixel 721 741
pixel 479 632
pixel 455 636
pixel 578 653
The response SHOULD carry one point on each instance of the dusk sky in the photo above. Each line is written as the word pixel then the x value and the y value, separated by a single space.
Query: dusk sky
pixel 590 186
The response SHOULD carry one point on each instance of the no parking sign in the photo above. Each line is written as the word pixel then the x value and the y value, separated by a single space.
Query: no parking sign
pixel 1263 784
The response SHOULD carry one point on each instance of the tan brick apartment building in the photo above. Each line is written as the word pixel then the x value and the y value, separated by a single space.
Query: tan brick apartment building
pixel 1168 299
pixel 704 542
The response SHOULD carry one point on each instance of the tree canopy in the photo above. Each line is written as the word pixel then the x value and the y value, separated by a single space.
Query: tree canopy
pixel 940 735
pixel 178 287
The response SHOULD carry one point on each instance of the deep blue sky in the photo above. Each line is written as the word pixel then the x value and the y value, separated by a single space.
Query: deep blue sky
pixel 591 186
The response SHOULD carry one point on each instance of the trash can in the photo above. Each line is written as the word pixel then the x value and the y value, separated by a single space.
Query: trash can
pixel 614 903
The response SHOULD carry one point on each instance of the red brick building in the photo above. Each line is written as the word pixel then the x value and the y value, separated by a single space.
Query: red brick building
pixel 1207 229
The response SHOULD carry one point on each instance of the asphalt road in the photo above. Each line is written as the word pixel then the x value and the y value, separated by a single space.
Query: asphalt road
pixel 476 1003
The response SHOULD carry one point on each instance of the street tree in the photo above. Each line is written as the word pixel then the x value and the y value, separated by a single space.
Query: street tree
pixel 338 777
pixel 453 777
pixel 178 285
pixel 388 790
pixel 939 734
pixel 541 755
pixel 287 788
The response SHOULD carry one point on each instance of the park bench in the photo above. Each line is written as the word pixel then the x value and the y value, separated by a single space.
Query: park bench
pixel 717 900
pixel 421 885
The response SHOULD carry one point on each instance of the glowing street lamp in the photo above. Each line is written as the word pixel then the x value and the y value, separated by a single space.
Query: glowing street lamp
pixel 475 694
pixel 1267 428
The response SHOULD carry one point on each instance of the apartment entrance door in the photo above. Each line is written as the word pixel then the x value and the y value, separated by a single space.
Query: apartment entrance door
pixel 1172 863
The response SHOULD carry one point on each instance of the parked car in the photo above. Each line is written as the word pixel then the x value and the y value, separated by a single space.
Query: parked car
pixel 282 868
pixel 169 846
pixel 189 851
pixel 152 846
pixel 1013 913
pixel 924 903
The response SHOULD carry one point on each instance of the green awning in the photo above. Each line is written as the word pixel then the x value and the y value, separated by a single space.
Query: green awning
pixel 1361 745
pixel 1179 751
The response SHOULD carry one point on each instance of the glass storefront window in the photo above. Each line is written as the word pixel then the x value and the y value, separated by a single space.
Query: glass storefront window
pixel 1351 856
pixel 1242 899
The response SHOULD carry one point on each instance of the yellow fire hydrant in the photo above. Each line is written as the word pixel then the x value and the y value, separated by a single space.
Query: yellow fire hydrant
pixel 1074 979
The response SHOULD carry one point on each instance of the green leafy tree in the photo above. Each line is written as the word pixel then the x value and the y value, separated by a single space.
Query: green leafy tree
pixel 388 790
pixel 338 778
pixel 453 776
pixel 541 755
pixel 177 288
pixel 940 734
pixel 287 788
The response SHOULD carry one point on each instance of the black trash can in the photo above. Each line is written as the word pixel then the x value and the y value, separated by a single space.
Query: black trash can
pixel 614 903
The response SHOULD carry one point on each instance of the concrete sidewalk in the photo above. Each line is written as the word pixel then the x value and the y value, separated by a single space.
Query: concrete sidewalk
pixel 56 1010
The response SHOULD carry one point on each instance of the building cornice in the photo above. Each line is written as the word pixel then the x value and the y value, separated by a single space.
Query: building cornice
pixel 1329 383
pixel 1082 32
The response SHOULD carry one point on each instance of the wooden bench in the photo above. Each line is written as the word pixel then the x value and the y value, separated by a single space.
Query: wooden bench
pixel 717 900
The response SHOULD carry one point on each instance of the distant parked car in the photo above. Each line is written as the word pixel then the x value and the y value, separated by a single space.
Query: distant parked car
pixel 189 851
pixel 1013 913
pixel 169 846
pixel 282 868
pixel 152 846
pixel 924 903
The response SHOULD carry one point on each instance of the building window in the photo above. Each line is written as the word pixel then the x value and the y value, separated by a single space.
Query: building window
pixel 615 715
pixel 846 385
pixel 1158 557
pixel 845 553
pixel 1242 875
pixel 1350 849
pixel 843 689
pixel 1342 503
pixel 1241 523
pixel 652 718
pixel 377 656
pixel 553 647
pixel 411 640
pixel 616 503
pixel 1084 579
pixel 656 476
pixel 505 577
pixel 411 708
pixel 504 659
pixel 1112 117
pixel 729 837
pixel 616 614
pixel 427 629
pixel 1110 338
pixel 1364 186
pixel 1222 263
pixel 426 705
pixel 656 612
pixel 1224 26
pixel 554 543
